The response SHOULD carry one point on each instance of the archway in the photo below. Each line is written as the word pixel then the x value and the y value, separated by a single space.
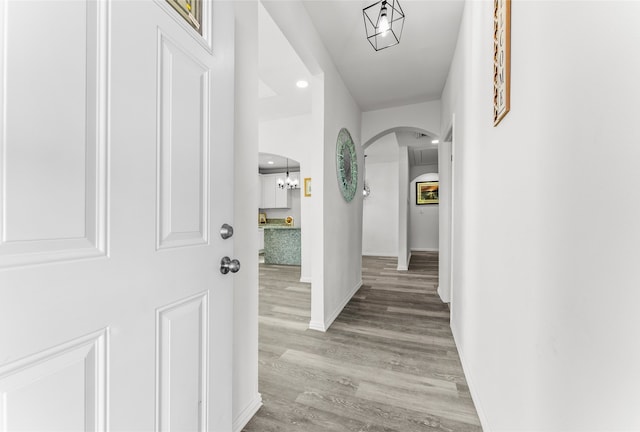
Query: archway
pixel 388 131
pixel 396 175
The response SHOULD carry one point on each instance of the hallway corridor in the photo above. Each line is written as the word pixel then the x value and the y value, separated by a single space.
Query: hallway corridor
pixel 388 362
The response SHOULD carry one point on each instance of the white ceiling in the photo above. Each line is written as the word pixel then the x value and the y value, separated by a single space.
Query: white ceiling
pixel 423 156
pixel 279 68
pixel 279 163
pixel 421 150
pixel 413 71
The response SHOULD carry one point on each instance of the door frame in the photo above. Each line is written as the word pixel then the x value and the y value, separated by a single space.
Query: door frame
pixel 446 215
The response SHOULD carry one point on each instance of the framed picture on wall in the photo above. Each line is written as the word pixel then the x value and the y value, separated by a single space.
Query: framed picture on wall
pixel 190 10
pixel 427 192
pixel 307 186
pixel 501 59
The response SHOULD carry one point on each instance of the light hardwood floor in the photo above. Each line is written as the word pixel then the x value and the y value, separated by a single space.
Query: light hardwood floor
pixel 388 362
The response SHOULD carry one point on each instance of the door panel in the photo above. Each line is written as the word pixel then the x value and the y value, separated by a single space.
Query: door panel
pixel 182 372
pixel 38 177
pixel 52 187
pixel 34 385
pixel 183 94
pixel 111 143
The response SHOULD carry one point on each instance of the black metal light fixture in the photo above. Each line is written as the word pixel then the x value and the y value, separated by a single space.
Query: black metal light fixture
pixel 383 22
pixel 288 182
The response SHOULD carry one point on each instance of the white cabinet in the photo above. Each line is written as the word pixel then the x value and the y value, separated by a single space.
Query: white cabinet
pixel 282 195
pixel 272 195
pixel 267 199
pixel 295 176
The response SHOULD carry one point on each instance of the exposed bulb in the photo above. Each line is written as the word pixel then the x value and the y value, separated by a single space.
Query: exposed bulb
pixel 383 23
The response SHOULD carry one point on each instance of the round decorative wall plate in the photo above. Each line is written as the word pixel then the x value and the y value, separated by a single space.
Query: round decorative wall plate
pixel 346 165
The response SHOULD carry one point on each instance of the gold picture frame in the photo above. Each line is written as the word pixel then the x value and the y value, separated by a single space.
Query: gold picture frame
pixel 307 186
pixel 501 59
pixel 427 192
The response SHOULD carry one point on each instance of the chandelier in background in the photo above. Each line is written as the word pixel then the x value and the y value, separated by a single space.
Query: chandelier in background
pixel 288 183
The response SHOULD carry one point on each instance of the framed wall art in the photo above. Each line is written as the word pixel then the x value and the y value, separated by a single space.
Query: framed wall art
pixel 346 165
pixel 501 59
pixel 427 192
pixel 190 10
pixel 307 186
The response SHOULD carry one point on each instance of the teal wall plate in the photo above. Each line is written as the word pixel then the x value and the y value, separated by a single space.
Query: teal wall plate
pixel 346 165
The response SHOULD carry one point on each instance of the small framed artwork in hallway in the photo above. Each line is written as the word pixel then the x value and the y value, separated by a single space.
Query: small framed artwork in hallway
pixel 427 192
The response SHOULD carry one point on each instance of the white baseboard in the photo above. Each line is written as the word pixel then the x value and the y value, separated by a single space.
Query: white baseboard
pixel 323 327
pixel 247 413
pixel 425 250
pixel 445 298
pixel 317 325
pixel 484 422
pixel 405 268
pixel 380 254
pixel 305 279
pixel 342 304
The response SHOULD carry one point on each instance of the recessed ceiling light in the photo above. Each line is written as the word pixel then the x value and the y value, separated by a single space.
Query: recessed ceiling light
pixel 435 141
pixel 270 162
pixel 302 84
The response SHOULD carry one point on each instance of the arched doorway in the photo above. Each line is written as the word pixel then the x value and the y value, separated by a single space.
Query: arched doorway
pixel 393 156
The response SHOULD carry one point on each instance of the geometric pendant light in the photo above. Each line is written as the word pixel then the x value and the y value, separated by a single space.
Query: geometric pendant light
pixel 383 22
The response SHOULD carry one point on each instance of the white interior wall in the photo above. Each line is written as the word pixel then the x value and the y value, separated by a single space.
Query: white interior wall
pixel 380 216
pixel 444 221
pixel 288 137
pixel 314 212
pixel 404 253
pixel 246 398
pixel 380 220
pixel 545 295
pixel 337 243
pixel 343 220
pixel 423 219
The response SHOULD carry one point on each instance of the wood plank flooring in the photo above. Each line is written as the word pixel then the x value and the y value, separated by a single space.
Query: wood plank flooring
pixel 388 362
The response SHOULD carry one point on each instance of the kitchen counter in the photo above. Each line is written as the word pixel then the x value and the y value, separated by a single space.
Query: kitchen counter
pixel 279 227
pixel 281 244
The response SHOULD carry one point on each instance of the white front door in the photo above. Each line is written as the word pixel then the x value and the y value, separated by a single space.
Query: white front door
pixel 116 131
